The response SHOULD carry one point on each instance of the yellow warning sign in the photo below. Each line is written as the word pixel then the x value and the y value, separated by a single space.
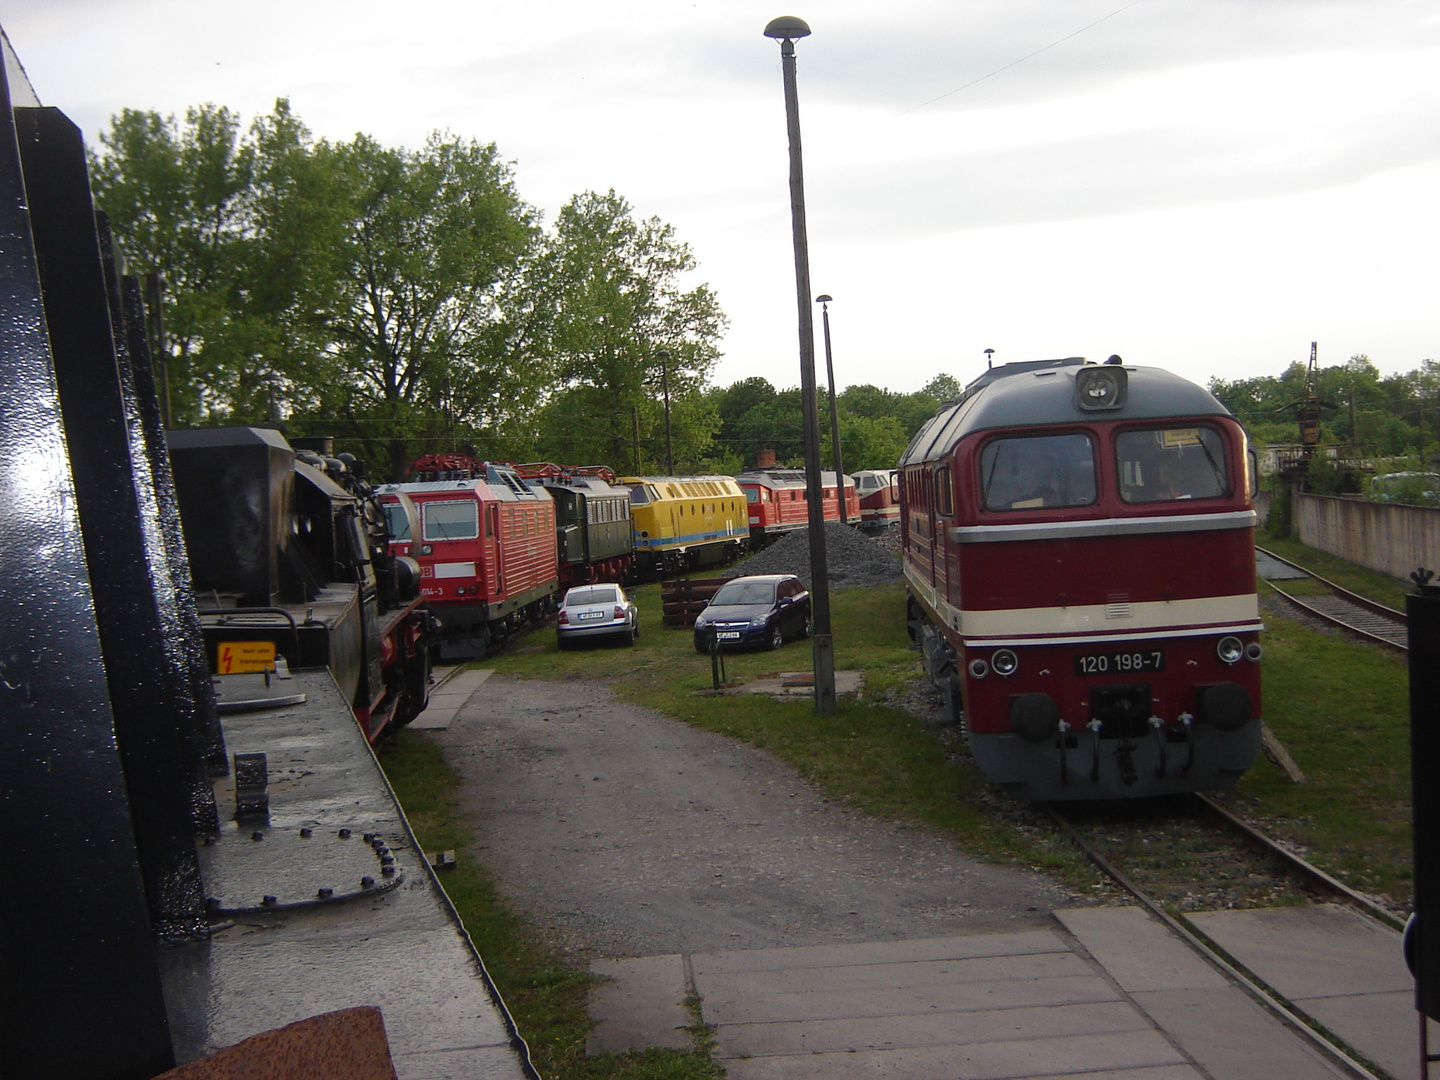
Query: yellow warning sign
pixel 1182 437
pixel 238 656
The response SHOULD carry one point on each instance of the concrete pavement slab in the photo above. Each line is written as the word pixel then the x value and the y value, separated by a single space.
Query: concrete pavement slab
pixel 954 947
pixel 1336 966
pixel 1139 952
pixel 1385 1028
pixel 1157 1072
pixel 842 1002
pixel 641 1004
pixel 1069 1056
pixel 1231 1037
pixel 742 984
pixel 929 1029
pixel 1318 950
pixel 449 696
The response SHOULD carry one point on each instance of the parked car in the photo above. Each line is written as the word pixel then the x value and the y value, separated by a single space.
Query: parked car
pixel 591 611
pixel 761 610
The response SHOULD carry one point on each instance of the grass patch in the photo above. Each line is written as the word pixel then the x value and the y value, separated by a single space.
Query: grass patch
pixel 546 995
pixel 1342 709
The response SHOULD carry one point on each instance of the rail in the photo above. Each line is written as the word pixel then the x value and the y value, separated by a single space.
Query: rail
pixel 1309 1029
pixel 1349 611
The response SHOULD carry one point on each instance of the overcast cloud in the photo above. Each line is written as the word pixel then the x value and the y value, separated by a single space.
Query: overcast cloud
pixel 1206 185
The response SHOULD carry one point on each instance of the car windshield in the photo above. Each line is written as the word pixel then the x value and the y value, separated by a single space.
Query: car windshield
pixel 745 592
pixel 586 597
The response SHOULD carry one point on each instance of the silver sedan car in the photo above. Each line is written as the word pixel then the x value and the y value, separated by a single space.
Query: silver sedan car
pixel 597 611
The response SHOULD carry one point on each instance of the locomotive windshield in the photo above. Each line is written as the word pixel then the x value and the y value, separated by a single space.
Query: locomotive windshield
pixel 451 520
pixel 1038 471
pixel 397 520
pixel 1169 464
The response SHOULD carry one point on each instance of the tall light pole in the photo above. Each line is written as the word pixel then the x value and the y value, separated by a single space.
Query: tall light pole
pixel 825 300
pixel 664 357
pixel 787 29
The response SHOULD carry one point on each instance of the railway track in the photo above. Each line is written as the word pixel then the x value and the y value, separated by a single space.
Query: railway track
pixel 1214 838
pixel 1351 612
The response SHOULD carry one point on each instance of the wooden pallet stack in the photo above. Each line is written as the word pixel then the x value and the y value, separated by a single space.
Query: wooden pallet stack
pixel 682 600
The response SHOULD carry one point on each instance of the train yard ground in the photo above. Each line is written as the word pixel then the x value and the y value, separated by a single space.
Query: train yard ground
pixel 1339 707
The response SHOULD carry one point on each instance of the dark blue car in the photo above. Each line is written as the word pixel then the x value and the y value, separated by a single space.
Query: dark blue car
pixel 762 610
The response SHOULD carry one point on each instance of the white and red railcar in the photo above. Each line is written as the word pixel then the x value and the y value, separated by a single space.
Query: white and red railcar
pixel 1079 554
pixel 485 542
pixel 776 501
pixel 878 491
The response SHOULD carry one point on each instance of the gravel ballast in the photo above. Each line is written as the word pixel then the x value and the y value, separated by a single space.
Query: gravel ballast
pixel 854 560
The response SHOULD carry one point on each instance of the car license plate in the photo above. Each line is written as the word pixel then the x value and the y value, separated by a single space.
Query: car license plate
pixel 728 635
pixel 1120 663
pixel 592 615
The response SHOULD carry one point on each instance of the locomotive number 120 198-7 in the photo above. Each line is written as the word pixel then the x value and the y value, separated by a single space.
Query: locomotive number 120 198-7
pixel 1120 663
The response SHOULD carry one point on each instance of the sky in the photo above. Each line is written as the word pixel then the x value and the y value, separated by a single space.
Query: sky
pixel 1201 185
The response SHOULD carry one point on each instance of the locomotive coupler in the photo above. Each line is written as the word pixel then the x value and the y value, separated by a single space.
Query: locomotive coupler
pixel 1064 768
pixel 1157 725
pixel 1094 727
pixel 1188 720
pixel 1125 755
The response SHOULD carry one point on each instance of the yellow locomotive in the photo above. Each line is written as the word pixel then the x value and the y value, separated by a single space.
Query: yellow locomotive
pixel 682 522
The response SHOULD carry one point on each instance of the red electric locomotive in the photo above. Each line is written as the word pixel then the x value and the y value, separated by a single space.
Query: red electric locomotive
pixel 775 499
pixel 1079 554
pixel 879 493
pixel 486 548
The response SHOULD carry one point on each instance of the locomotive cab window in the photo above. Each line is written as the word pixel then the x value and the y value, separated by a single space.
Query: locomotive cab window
pixel 1171 464
pixel 1037 472
pixel 450 521
pixel 397 520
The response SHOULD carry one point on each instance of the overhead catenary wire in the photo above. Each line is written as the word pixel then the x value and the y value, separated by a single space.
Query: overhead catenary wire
pixel 1027 56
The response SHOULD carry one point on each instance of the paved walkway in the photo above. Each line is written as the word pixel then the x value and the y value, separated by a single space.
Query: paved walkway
pixel 1108 993
pixel 452 689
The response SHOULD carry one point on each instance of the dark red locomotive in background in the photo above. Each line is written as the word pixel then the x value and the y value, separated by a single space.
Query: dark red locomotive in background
pixel 1079 555
pixel 776 501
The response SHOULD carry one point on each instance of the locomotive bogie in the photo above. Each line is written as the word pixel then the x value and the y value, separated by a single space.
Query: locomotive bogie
pixel 1079 551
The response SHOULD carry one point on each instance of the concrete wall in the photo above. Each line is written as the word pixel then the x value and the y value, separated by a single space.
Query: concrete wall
pixel 1391 539
pixel 1263 499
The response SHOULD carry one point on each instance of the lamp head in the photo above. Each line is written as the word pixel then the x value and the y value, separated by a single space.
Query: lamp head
pixel 824 298
pixel 786 28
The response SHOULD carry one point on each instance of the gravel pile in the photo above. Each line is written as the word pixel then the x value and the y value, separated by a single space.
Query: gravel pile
pixel 854 560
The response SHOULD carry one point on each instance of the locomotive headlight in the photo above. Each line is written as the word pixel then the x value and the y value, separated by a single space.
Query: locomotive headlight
pixel 426 549
pixel 979 668
pixel 1101 386
pixel 1253 652
pixel 1230 649
pixel 1005 662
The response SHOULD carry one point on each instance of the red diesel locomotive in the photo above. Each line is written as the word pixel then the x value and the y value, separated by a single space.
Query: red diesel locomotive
pixel 1078 545
pixel 775 499
pixel 486 548
pixel 879 493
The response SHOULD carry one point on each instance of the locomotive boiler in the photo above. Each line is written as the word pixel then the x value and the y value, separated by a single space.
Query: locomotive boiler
pixel 1078 544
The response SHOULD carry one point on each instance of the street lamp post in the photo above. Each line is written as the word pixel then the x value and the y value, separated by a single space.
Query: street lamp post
pixel 786 30
pixel 664 357
pixel 825 300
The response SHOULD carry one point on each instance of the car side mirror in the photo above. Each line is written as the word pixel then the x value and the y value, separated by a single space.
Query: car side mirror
pixel 786 601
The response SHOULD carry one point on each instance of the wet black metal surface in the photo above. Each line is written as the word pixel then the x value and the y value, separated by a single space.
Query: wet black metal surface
pixel 81 997
pixel 138 621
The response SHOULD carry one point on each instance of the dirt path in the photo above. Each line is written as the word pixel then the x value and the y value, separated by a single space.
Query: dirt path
pixel 629 834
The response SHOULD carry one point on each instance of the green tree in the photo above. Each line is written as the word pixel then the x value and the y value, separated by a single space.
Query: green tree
pixel 604 300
